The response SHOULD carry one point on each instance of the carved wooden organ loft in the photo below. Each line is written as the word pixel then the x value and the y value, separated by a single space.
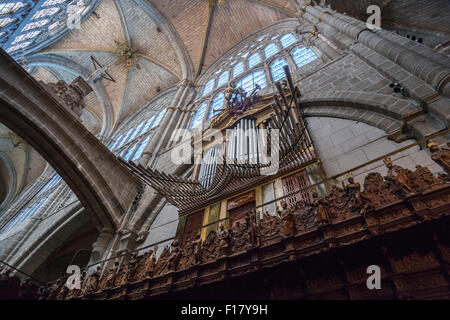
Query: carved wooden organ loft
pixel 243 158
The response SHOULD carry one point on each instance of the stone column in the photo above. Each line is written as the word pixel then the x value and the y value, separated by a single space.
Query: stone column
pixel 151 148
pixel 100 246
pixel 178 112
pixel 326 48
pixel 433 73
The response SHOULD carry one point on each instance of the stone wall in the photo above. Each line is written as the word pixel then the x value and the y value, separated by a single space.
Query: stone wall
pixel 344 144
pixel 163 227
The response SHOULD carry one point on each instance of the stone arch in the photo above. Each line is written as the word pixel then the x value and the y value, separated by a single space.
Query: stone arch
pixel 382 122
pixel 47 243
pixel 386 105
pixel 79 157
pixel 55 61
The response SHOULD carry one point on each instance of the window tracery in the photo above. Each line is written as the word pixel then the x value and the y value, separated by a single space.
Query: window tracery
pixel 44 17
pixel 217 104
pixel 276 69
pixel 271 52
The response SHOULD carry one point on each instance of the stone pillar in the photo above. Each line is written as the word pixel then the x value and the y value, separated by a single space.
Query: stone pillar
pixel 435 74
pixel 151 148
pixel 290 61
pixel 178 113
pixel 329 52
pixel 100 246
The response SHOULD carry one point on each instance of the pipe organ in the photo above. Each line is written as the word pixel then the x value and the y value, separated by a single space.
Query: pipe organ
pixel 243 145
pixel 260 133
pixel 209 165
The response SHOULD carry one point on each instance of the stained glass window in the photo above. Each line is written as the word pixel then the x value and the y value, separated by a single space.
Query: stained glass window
pixel 208 87
pixel 303 55
pixel 44 18
pixel 5 21
pixel 25 36
pixel 149 122
pixel 137 131
pixel 52 2
pixel 276 69
pixel 116 143
pixel 199 115
pixel 216 104
pixel 158 119
pixel 270 50
pixel 26 213
pixel 223 78
pixel 254 60
pixel 11 7
pixel 19 46
pixel 37 24
pixel 126 138
pixel 238 69
pixel 287 40
pixel 45 12
pixel 141 148
pixel 249 82
pixel 130 152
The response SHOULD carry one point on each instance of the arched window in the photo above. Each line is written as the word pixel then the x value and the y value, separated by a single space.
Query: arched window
pixel 208 87
pixel 158 118
pixel 276 69
pixel 271 50
pixel 137 131
pixel 254 60
pixel 130 152
pixel 249 82
pixel 43 17
pixel 37 24
pixel 11 7
pixel 238 69
pixel 199 115
pixel 223 78
pixel 26 213
pixel 126 139
pixel 149 122
pixel 52 2
pixel 303 55
pixel 114 143
pixel 216 104
pixel 5 21
pixel 287 40
pixel 45 12
pixel 26 36
pixel 140 150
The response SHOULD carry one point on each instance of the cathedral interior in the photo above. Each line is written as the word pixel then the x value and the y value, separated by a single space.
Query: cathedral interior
pixel 217 149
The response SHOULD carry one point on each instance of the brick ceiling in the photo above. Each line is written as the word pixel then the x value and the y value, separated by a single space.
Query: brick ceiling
pixel 208 31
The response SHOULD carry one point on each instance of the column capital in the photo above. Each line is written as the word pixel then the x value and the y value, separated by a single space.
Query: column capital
pixel 185 82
